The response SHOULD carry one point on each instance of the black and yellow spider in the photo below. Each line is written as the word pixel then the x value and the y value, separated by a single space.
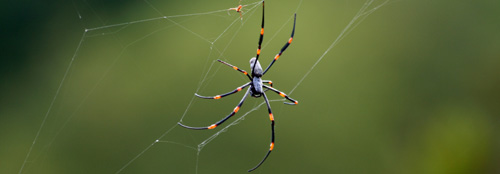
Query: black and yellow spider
pixel 256 87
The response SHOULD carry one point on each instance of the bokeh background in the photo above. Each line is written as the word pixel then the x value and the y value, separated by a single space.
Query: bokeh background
pixel 413 89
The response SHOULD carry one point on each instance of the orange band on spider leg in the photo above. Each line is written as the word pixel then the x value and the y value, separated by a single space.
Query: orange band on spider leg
pixel 238 89
pixel 282 94
pixel 261 31
pixel 236 109
pixel 212 126
pixel 276 57
pixel 258 51
pixel 271 117
pixel 296 102
pixel 217 97
pixel 290 40
pixel 271 146
pixel 234 67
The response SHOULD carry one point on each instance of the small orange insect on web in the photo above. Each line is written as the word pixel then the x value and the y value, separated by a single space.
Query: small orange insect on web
pixel 238 9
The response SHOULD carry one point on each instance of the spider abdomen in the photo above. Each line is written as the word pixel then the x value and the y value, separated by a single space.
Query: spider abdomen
pixel 256 68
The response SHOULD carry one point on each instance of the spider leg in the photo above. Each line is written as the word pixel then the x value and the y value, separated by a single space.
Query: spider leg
pixel 238 9
pixel 268 81
pixel 294 102
pixel 284 47
pixel 235 68
pixel 241 17
pixel 271 146
pixel 260 38
pixel 226 94
pixel 236 109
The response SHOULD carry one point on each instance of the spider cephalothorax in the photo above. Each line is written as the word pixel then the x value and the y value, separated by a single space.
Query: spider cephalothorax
pixel 256 87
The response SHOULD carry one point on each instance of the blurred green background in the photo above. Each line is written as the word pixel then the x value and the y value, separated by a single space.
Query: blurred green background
pixel 413 89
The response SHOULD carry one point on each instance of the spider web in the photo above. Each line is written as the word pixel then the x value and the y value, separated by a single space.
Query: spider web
pixel 115 52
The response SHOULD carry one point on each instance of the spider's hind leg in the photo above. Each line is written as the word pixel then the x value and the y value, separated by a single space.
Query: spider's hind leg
pixel 271 146
pixel 224 95
pixel 294 102
pixel 235 110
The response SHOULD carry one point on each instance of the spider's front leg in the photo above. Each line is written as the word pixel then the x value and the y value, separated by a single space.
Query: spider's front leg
pixel 284 47
pixel 235 68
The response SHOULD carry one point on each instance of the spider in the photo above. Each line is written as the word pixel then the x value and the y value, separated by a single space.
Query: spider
pixel 256 87
pixel 237 9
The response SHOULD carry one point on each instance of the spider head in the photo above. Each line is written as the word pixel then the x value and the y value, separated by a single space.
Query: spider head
pixel 257 70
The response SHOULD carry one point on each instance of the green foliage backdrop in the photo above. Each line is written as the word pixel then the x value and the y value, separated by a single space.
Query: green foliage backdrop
pixel 412 89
